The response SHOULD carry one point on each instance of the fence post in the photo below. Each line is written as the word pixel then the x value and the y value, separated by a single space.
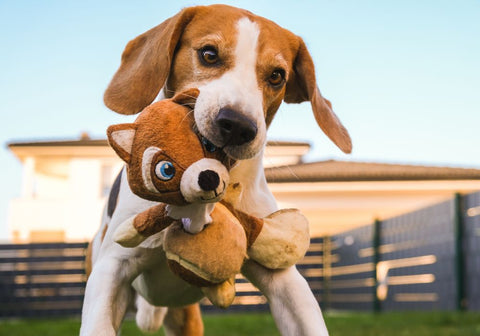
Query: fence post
pixel 459 230
pixel 377 231
pixel 327 270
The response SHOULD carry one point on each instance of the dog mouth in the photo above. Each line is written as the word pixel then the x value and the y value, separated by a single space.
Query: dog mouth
pixel 237 145
pixel 234 152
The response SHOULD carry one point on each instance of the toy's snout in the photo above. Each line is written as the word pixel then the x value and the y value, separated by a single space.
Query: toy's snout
pixel 208 180
pixel 205 181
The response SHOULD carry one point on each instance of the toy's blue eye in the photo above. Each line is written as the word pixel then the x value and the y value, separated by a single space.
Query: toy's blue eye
pixel 210 147
pixel 165 170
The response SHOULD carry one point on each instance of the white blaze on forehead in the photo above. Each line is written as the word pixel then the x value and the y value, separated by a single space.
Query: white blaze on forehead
pixel 237 89
pixel 243 77
pixel 246 53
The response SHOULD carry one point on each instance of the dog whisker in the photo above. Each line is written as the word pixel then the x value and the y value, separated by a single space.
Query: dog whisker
pixel 185 117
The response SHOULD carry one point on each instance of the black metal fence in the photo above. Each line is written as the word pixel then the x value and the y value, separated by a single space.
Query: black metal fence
pixel 471 251
pixel 41 279
pixel 427 259
pixel 424 260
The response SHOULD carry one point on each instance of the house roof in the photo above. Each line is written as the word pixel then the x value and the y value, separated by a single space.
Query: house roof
pixel 86 141
pixel 347 171
pixel 321 171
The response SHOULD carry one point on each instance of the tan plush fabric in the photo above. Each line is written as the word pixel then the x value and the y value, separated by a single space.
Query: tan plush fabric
pixel 215 254
pixel 283 241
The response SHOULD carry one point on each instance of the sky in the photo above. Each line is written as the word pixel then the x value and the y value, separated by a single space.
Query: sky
pixel 403 76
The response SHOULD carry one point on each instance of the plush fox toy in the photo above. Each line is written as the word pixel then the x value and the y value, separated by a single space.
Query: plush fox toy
pixel 168 162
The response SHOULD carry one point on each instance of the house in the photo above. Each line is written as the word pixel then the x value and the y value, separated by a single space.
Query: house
pixel 65 185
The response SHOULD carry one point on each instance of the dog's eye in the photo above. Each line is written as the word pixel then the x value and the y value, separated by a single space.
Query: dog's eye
pixel 277 77
pixel 209 55
pixel 210 147
pixel 165 170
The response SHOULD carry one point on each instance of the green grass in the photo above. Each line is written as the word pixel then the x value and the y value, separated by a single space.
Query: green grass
pixel 339 324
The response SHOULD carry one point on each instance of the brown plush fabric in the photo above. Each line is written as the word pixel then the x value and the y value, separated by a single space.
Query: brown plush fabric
pixel 215 254
pixel 152 220
pixel 188 275
pixel 251 224
pixel 169 126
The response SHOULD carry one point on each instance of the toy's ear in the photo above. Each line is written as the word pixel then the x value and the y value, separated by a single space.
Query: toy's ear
pixel 187 98
pixel 120 138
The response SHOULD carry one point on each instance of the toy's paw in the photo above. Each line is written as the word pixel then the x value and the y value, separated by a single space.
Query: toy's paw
pixel 221 295
pixel 283 241
pixel 126 234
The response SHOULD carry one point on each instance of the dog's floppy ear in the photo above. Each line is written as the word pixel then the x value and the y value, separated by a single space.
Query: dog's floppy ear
pixel 302 86
pixel 145 65
pixel 120 137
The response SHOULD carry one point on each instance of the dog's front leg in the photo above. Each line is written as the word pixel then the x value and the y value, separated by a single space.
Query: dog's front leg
pixel 107 296
pixel 294 308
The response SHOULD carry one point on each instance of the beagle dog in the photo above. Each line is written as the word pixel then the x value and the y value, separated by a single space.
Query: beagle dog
pixel 244 66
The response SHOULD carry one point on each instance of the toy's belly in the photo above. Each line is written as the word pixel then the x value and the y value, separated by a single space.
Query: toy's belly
pixel 160 287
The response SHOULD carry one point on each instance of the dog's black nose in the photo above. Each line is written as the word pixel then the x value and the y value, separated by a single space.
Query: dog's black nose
pixel 235 128
pixel 208 180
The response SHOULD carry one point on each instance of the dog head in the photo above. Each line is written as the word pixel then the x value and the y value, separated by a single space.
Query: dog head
pixel 244 66
pixel 166 160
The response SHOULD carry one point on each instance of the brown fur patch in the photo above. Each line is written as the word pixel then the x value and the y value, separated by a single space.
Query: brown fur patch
pixel 104 232
pixel 171 51
pixel 88 260
pixel 185 321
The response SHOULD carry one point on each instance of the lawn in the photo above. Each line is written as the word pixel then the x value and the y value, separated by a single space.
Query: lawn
pixel 339 324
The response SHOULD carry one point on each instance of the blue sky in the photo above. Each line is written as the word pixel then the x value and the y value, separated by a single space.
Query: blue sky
pixel 403 76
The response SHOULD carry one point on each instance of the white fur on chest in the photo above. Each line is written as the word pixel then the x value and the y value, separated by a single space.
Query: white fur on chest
pixel 256 198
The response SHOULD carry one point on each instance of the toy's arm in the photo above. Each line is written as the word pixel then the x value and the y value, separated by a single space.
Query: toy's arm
pixel 136 229
pixel 279 240
pixel 251 224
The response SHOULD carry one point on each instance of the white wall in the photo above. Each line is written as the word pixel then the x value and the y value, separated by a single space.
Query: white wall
pixel 71 201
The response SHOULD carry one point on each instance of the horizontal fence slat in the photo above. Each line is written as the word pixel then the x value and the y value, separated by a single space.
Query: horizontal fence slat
pixel 45 299
pixel 42 272
pixel 55 285
pixel 41 259
pixel 43 246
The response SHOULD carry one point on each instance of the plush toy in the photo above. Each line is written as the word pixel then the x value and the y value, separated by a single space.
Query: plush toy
pixel 168 162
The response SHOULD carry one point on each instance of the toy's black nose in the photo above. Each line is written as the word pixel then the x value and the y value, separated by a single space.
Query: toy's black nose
pixel 235 128
pixel 208 180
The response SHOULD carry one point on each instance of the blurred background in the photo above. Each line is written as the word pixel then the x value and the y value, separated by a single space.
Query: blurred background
pixel 404 78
